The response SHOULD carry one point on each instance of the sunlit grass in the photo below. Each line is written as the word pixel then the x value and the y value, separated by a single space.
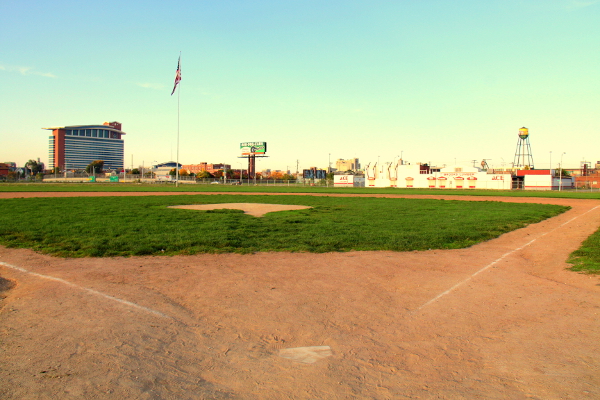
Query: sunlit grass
pixel 125 226
pixel 587 257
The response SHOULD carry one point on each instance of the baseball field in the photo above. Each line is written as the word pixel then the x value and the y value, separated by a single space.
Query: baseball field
pixel 244 294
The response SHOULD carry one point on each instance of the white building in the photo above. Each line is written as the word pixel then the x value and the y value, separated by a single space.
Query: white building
pixel 420 176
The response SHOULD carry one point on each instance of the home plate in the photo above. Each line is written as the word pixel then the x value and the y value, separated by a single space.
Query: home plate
pixel 307 355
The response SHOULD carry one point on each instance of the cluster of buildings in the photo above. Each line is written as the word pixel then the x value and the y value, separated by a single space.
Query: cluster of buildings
pixel 404 175
pixel 75 147
pixel 347 165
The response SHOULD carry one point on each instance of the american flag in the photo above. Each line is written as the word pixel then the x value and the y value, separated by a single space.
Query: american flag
pixel 177 75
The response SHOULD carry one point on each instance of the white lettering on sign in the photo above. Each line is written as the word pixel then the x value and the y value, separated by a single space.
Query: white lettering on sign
pixel 457 173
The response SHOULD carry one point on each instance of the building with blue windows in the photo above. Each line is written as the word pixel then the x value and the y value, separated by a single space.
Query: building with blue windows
pixel 76 147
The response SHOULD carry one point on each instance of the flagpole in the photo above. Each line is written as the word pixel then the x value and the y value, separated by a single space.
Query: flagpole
pixel 177 162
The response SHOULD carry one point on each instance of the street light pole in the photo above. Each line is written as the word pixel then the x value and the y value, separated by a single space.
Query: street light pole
pixel 240 172
pixel 560 172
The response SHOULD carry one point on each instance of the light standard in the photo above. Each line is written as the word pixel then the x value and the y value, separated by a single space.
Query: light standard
pixel 550 163
pixel 240 172
pixel 560 172
pixel 152 168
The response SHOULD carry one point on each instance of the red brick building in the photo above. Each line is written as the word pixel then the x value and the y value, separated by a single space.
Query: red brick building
pixel 4 169
pixel 212 168
pixel 592 180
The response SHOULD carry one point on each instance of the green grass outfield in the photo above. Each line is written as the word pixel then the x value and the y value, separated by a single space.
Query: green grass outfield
pixel 125 226
pixel 586 259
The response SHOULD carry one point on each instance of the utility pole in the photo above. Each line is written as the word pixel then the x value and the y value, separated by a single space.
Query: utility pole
pixel 560 172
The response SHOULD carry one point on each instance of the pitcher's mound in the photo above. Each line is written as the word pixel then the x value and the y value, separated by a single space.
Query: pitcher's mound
pixel 255 209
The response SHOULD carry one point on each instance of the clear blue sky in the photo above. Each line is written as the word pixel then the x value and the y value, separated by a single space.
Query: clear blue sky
pixel 436 81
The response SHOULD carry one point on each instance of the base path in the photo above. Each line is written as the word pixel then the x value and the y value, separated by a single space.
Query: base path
pixel 500 320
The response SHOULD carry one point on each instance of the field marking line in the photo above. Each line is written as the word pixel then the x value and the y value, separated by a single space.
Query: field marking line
pixel 498 260
pixel 92 291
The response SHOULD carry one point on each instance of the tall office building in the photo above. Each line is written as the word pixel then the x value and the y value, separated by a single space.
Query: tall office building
pixel 75 147
pixel 347 165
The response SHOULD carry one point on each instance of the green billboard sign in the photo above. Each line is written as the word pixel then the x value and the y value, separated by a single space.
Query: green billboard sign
pixel 249 148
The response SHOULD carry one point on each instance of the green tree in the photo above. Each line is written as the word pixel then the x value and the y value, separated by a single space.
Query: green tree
pixel 287 177
pixel 135 171
pixel 12 176
pixel 34 167
pixel 204 175
pixel 182 172
pixel 95 167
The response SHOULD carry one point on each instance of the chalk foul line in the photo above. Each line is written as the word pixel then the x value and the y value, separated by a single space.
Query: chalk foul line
pixel 92 291
pixel 499 259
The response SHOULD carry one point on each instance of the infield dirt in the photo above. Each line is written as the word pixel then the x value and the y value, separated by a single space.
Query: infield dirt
pixel 500 320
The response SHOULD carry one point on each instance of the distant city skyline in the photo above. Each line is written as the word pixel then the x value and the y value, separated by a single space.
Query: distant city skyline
pixel 437 81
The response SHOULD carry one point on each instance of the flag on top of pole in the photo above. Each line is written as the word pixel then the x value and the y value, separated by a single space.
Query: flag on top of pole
pixel 177 75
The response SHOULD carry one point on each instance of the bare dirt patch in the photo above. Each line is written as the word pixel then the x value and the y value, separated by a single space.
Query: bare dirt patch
pixel 502 319
pixel 254 209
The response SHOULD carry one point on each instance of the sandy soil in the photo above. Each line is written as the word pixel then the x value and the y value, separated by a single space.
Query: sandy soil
pixel 500 320
pixel 255 209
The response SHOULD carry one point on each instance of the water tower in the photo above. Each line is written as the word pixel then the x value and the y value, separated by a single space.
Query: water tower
pixel 523 157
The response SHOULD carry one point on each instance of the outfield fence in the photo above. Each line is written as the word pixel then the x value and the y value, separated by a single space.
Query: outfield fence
pixel 129 178
pixel 79 177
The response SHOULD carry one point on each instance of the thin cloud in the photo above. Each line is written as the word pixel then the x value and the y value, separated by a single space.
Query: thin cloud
pixel 26 71
pixel 146 85
pixel 577 4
